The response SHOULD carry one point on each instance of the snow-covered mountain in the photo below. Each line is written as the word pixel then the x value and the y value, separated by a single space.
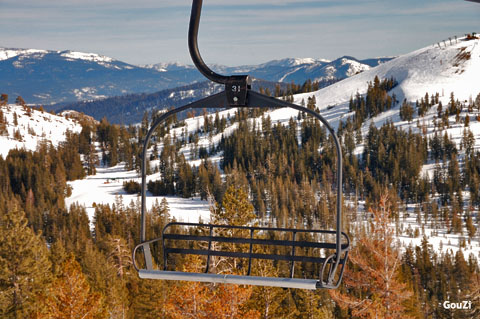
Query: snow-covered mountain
pixel 287 70
pixel 68 75
pixel 24 127
pixel 434 69
pixel 130 108
pixel 48 77
pixel 340 68
pixel 168 66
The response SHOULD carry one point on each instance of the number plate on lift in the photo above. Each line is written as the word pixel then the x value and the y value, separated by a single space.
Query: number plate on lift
pixel 236 89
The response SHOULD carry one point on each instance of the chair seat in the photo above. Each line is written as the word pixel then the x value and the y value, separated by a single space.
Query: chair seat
pixel 230 279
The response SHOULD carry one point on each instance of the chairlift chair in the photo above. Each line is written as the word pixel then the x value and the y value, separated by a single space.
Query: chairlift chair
pixel 330 247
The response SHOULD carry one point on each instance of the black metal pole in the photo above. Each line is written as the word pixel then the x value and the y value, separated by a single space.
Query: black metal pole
pixel 193 45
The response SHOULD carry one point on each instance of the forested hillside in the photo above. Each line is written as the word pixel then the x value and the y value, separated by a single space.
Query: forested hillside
pixel 130 108
pixel 407 182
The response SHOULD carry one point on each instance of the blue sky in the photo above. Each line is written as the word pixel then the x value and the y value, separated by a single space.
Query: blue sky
pixel 234 32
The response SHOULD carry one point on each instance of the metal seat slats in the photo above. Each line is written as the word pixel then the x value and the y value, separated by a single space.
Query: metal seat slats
pixel 239 240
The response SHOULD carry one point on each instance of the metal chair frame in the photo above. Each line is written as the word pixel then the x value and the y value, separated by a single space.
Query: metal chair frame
pixel 238 94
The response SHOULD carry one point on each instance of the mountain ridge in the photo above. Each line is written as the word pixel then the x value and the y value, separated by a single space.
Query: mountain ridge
pixel 432 69
pixel 48 77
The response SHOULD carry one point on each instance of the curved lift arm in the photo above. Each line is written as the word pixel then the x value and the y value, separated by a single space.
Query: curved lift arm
pixel 193 45
pixel 238 94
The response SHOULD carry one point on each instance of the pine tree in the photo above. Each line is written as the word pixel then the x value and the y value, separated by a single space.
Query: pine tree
pixel 20 101
pixel 3 99
pixel 161 211
pixel 71 296
pixel 150 298
pixel 91 159
pixel 17 135
pixel 460 271
pixel 267 300
pixel 119 254
pixel 372 275
pixel 406 111
pixel 3 125
pixel 473 295
pixel 24 268
pixel 206 301
pixel 236 208
pixel 471 229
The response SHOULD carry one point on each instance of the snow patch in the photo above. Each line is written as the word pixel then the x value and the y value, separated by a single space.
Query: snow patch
pixel 33 129
pixel 106 187
pixel 87 93
pixel 86 56
pixel 11 53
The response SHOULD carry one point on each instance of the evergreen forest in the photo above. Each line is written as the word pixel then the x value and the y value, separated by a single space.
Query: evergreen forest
pixel 57 263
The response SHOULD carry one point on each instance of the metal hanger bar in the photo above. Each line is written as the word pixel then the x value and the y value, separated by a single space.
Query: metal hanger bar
pixel 193 45
pixel 238 94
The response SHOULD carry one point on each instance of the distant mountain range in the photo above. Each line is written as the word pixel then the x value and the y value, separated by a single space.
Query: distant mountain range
pixel 287 70
pixel 46 77
pixel 49 77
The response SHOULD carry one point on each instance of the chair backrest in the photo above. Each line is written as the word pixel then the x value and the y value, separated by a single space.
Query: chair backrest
pixel 208 239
